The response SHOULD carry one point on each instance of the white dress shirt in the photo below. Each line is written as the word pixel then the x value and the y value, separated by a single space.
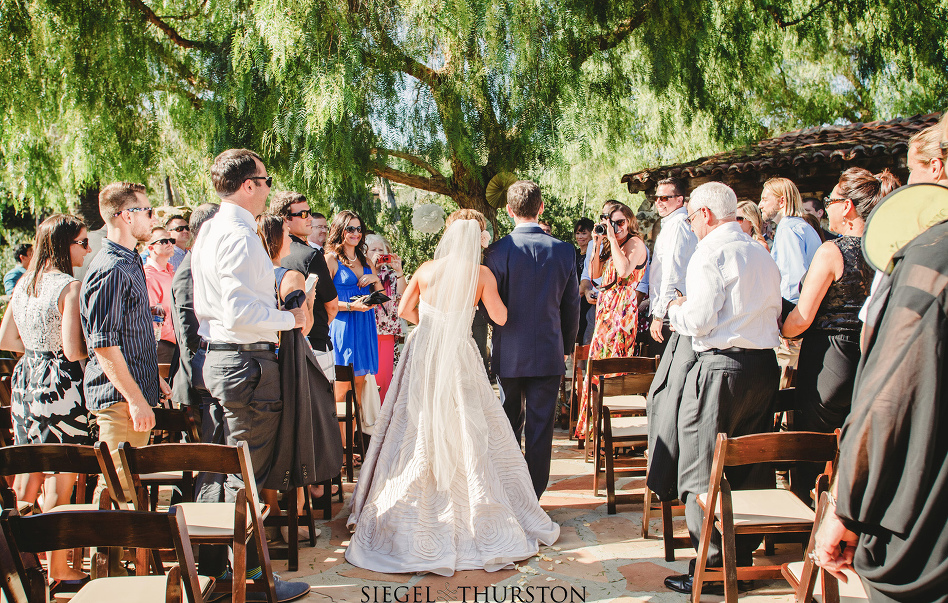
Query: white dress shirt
pixel 733 294
pixel 673 248
pixel 234 283
pixel 795 243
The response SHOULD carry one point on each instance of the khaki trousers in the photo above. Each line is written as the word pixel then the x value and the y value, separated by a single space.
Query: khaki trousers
pixel 115 427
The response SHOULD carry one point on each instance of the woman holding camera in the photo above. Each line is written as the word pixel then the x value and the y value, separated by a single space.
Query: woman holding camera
pixel 620 258
pixel 387 323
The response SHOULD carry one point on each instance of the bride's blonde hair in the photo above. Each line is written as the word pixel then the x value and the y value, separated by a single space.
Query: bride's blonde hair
pixel 466 214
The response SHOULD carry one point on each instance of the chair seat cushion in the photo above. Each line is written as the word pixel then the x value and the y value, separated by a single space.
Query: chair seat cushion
pixel 211 519
pixel 162 477
pixel 772 506
pixel 142 589
pixel 90 507
pixel 849 592
pixel 629 427
pixel 618 403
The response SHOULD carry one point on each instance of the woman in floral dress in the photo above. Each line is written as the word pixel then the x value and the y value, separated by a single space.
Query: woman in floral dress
pixel 621 258
pixel 386 315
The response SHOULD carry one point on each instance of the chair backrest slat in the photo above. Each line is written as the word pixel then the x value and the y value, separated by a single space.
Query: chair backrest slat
pixel 75 529
pixel 58 458
pixel 207 458
pixel 782 447
pixel 626 385
pixel 634 364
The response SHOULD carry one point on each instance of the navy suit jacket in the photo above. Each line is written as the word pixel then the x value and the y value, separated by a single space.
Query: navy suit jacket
pixel 536 278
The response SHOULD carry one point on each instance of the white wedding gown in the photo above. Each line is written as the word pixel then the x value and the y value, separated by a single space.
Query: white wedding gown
pixel 488 518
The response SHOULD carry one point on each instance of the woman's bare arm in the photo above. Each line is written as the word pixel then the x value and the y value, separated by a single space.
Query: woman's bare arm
pixel 491 297
pixel 408 306
pixel 74 344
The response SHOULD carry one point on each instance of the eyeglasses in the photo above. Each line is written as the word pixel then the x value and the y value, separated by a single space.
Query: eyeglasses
pixel 132 210
pixel 301 214
pixel 620 223
pixel 268 180
pixel 181 228
pixel 740 218
pixel 320 228
pixel 84 243
pixel 827 201
pixel 688 219
pixel 162 242
pixel 664 198
pixel 351 229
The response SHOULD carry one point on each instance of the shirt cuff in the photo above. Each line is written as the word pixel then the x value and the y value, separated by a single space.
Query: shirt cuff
pixel 104 339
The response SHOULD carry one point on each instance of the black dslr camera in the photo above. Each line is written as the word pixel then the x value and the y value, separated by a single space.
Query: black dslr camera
pixel 600 229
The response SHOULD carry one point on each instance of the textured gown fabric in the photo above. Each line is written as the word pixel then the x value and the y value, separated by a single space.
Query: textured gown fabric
pixel 353 334
pixel 617 322
pixel 48 406
pixel 488 518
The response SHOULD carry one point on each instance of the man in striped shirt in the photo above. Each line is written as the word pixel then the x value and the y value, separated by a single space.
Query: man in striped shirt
pixel 121 380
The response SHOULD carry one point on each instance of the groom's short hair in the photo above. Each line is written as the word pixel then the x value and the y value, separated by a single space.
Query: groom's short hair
pixel 524 200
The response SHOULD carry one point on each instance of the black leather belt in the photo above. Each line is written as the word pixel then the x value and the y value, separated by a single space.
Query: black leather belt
pixel 735 351
pixel 263 346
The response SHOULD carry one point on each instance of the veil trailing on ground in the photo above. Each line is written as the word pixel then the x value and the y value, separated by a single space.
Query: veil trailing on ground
pixel 437 407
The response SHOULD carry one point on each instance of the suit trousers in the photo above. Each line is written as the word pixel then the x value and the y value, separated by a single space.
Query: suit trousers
pixel 733 393
pixel 530 404
pixel 247 384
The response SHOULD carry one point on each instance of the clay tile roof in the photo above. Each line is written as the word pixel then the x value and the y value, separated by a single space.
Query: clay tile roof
pixel 809 145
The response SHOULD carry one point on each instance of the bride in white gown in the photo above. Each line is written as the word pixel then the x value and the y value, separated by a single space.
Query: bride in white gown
pixel 444 486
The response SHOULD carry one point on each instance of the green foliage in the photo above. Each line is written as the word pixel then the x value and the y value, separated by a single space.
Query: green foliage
pixel 438 95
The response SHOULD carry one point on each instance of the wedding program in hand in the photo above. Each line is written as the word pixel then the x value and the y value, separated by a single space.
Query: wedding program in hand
pixel 445 486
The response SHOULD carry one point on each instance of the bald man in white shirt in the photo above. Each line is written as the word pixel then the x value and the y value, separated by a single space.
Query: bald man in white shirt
pixel 730 314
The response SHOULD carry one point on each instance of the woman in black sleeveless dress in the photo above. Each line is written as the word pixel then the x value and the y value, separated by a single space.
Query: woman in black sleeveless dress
pixel 831 294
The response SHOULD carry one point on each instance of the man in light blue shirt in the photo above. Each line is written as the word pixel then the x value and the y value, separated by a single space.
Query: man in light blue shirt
pixel 795 241
pixel 23 254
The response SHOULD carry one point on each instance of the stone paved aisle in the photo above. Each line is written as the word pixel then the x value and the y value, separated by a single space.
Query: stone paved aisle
pixel 597 558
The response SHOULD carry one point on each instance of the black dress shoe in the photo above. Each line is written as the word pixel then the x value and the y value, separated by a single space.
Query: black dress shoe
pixel 683 583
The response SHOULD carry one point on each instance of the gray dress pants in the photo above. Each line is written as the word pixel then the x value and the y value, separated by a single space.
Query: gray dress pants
pixel 729 392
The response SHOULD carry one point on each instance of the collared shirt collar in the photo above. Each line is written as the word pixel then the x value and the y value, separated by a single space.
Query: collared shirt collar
pixel 237 212
pixel 724 231
pixel 120 250
pixel 527 225
pixel 151 262
pixel 674 215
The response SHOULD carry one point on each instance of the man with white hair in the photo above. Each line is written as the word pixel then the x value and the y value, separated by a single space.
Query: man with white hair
pixel 730 314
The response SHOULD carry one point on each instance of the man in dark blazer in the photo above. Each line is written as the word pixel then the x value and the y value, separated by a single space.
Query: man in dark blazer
pixel 295 211
pixel 536 278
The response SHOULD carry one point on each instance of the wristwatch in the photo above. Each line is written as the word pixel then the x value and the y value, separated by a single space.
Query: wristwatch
pixel 348 306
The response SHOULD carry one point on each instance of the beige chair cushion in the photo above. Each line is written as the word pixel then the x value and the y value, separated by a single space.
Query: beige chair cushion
pixel 211 519
pixel 624 402
pixel 92 507
pixel 141 589
pixel 162 476
pixel 624 428
pixel 849 592
pixel 756 507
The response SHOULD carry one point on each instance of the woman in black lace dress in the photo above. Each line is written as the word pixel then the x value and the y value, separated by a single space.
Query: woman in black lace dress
pixel 832 292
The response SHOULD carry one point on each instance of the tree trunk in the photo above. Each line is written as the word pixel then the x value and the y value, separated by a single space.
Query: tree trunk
pixel 88 210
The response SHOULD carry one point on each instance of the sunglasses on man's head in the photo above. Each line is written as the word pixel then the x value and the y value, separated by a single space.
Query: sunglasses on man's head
pixel 305 213
pixel 351 229
pixel 162 242
pixel 132 210
pixel 181 228
pixel 84 243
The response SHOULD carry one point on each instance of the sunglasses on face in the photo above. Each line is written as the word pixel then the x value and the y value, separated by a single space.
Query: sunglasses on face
pixel 664 198
pixel 827 201
pixel 132 210
pixel 268 180
pixel 740 218
pixel 182 228
pixel 351 229
pixel 162 242
pixel 301 214
pixel 84 243
pixel 620 223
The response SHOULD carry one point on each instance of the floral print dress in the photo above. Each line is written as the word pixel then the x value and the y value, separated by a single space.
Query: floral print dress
pixel 617 315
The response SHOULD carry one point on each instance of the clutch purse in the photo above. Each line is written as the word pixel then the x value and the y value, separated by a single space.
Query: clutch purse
pixel 372 299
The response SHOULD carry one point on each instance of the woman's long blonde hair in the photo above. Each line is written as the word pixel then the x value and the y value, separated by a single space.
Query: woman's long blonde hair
pixel 783 187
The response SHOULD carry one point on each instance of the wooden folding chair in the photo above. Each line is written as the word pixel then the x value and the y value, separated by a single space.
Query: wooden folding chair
pixel 350 413
pixel 222 523
pixel 6 425
pixel 617 408
pixel 810 583
pixel 26 536
pixel 64 458
pixel 769 511
pixel 580 357
pixel 171 425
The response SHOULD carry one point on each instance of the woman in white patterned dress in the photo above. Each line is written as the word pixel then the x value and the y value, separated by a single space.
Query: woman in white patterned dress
pixel 445 486
pixel 42 323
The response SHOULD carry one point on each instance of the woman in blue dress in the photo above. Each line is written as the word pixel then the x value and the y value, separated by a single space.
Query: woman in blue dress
pixel 353 333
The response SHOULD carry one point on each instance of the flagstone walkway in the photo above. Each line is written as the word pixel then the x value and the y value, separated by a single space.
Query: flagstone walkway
pixel 599 557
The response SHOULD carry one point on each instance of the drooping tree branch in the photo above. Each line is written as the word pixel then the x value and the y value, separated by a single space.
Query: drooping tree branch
pixel 169 31
pixel 582 50
pixel 782 22
pixel 434 184
pixel 411 158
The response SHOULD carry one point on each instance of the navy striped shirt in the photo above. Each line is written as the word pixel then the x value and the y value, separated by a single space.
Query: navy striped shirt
pixel 114 312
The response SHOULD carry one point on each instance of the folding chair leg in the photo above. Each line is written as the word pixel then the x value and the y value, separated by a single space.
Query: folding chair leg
pixel 728 545
pixel 704 543
pixel 610 463
pixel 646 511
pixel 668 530
pixel 293 532
pixel 239 586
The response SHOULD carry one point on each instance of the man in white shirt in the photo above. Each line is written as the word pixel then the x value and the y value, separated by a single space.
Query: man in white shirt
pixel 730 314
pixel 795 241
pixel 235 303
pixel 673 248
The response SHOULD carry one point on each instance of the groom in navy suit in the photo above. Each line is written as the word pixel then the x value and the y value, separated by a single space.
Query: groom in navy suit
pixel 536 278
